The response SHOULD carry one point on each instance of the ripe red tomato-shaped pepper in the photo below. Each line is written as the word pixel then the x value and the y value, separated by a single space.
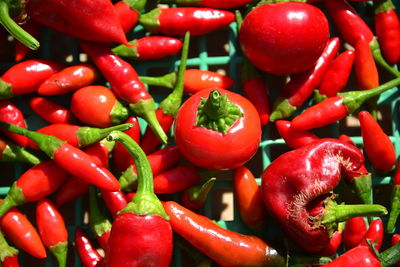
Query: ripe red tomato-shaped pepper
pixel 284 38
pixel 217 129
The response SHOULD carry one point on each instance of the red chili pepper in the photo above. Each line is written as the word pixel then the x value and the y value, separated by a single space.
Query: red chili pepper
pixel 225 247
pixel 52 230
pixel 97 106
pixel 12 114
pixel 17 228
pixel 9 255
pixel 87 253
pixel 149 48
pixel 176 180
pixel 86 20
pixel 394 202
pixel 68 80
pixel 10 152
pixel 227 4
pixel 395 240
pixel 387 28
pixel 333 245
pixel 168 108
pixel 249 199
pixel 364 65
pixel 293 138
pixel 238 129
pixel 21 50
pixel 50 111
pixel 25 77
pixel 128 12
pixel 378 146
pixel 142 222
pixel 336 108
pixel 70 158
pixel 178 21
pixel 99 223
pixel 39 181
pixel 374 235
pixel 194 197
pixel 114 200
pixel 125 83
pixel 302 85
pixel 354 231
pixel 309 214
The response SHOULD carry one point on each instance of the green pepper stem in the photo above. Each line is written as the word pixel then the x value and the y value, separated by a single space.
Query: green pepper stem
pixel 150 20
pixel 137 5
pixel 125 51
pixel 167 80
pixel 5 249
pixel 119 113
pixel 383 6
pixel 239 20
pixel 14 29
pixel 390 256
pixel 394 209
pixel 60 251
pixel 90 135
pixel 128 179
pixel 99 223
pixel 198 194
pixel 6 91
pixel 363 187
pixel 14 197
pixel 377 54
pixel 14 153
pixel 145 202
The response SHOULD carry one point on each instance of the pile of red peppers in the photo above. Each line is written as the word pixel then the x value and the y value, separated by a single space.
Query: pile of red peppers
pixel 147 159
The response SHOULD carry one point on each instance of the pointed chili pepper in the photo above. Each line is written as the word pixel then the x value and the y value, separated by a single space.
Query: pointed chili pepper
pixel 125 83
pixel 99 223
pixel 227 4
pixel 374 235
pixel 333 245
pixel 194 197
pixel 336 108
pixel 25 77
pixel 86 20
pixel 50 111
pixel 10 152
pixel 98 106
pixel 114 200
pixel 178 21
pixel 294 138
pixel 225 247
pixel 387 28
pixel 87 253
pixel 10 10
pixel 364 65
pixel 395 240
pixel 308 214
pixel 354 231
pixel 12 114
pixel 70 158
pixel 377 145
pixel 149 48
pixel 302 85
pixel 394 202
pixel 39 181
pixel 34 29
pixel 168 108
pixel 128 12
pixel 336 76
pixel 160 161
pixel 176 180
pixel 142 222
pixel 18 229
pixel 8 255
pixel 52 230
pixel 68 80
pixel 249 199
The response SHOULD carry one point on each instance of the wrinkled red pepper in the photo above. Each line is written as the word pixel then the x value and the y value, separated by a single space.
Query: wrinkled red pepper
pixel 50 111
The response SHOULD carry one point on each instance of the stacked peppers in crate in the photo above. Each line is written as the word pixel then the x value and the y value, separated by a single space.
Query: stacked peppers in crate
pixel 153 157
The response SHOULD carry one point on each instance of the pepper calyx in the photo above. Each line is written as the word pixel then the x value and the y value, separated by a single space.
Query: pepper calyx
pixel 150 20
pixel 125 51
pixel 168 80
pixel 119 113
pixel 90 135
pixel 15 197
pixel 5 90
pixel 128 179
pixel 60 252
pixel 5 249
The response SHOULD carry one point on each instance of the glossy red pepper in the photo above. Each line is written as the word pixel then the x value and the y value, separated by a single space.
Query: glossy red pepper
pixel 333 245
pixel 176 180
pixel 97 106
pixel 99 223
pixel 195 197
pixel 149 48
pixel 125 83
pixel 377 145
pixel 308 214
pixel 52 230
pixel 25 77
pixel 142 222
pixel 12 114
pixel 354 231
pixel 374 235
pixel 168 108
pixel 395 240
pixel 302 85
pixel 227 4
pixel 86 20
pixel 394 202
pixel 9 255
pixel 10 152
pixel 364 65
pixel 114 200
pixel 34 29
pixel 87 253
pixel 50 111
pixel 204 142
pixel 336 108
pixel 68 80
pixel 225 247
pixel 294 138
pixel 128 12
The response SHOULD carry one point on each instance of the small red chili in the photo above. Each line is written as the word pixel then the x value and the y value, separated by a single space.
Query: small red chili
pixel 87 253
pixel 333 245
pixel 227 4
pixel 114 200
pixel 9 255
pixel 292 137
pixel 176 180
pixel 374 235
pixel 50 111
pixel 128 12
pixel 365 68
pixel 354 231
pixel 12 114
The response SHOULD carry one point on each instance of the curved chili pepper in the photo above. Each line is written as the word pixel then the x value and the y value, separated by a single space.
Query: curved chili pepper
pixel 387 28
pixel 168 108
pixel 87 253
pixel 52 230
pixel 333 245
pixel 142 222
pixel 98 106
pixel 128 12
pixel 194 197
pixel 195 80
pixel 39 181
pixel 336 108
pixel 70 158
pixel 8 255
pixel 12 114
pixel 394 202
pixel 374 235
pixel 86 20
pixel 17 228
pixel 68 80
pixel 227 4
pixel 21 50
pixel 364 65
pixel 302 85
pixel 99 223
pixel 125 83
pixel 378 146
pixel 178 21
pixel 50 111
pixel 309 214
pixel 225 247
pixel 149 48
pixel 395 240
pixel 176 180
pixel 10 152
pixel 25 77
pixel 294 138
pixel 114 200
pixel 354 231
